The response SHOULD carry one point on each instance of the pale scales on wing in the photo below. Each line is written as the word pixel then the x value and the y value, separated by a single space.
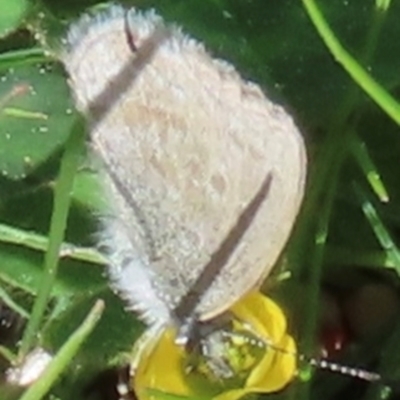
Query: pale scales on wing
pixel 191 144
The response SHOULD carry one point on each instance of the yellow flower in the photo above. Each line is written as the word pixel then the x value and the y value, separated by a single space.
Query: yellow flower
pixel 255 349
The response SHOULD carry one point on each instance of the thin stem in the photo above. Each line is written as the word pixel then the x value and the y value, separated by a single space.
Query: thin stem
pixel 364 80
pixel 328 166
pixel 62 197
pixel 34 241
pixel 64 355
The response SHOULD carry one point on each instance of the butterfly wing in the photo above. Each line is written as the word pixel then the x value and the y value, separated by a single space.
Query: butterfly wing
pixel 186 145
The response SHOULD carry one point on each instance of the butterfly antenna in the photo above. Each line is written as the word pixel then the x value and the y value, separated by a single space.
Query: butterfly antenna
pixel 357 373
pixel 343 369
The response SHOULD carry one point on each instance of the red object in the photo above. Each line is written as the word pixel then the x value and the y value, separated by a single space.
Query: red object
pixel 333 339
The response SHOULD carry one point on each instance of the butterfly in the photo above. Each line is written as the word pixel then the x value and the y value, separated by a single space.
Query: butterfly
pixel 203 175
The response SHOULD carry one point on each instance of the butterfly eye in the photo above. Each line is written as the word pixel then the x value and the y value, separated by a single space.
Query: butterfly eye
pixel 231 358
pixel 226 354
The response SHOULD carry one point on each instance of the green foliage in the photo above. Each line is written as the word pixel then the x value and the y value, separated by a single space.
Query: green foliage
pixel 349 227
pixel 11 14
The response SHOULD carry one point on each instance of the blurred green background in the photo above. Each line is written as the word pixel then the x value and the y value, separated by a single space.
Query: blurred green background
pixel 343 260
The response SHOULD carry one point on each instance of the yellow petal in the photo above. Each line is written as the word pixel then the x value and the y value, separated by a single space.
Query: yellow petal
pixel 160 368
pixel 161 361
pixel 278 366
pixel 263 314
pixel 273 376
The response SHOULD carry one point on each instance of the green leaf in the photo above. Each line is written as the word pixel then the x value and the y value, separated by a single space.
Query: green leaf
pixel 11 14
pixel 35 117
